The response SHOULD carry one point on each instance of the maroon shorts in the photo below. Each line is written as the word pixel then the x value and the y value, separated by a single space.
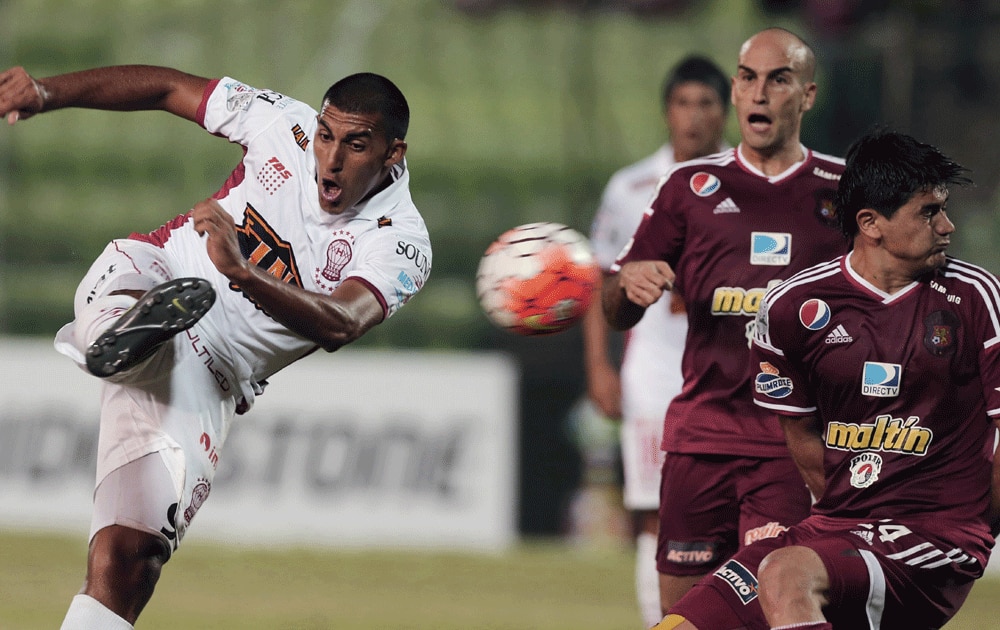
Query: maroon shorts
pixel 882 574
pixel 712 505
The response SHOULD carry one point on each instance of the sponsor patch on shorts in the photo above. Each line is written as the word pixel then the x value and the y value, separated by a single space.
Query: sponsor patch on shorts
pixel 740 579
pixel 691 553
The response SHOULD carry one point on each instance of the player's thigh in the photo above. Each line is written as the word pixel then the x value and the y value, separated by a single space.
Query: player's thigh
pixel 727 598
pixel 140 495
pixel 699 513
pixel 124 264
pixel 642 459
pixel 772 497
pixel 874 585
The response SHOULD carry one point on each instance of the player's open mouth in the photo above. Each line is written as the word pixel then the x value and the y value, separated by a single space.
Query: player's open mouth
pixel 329 191
pixel 758 121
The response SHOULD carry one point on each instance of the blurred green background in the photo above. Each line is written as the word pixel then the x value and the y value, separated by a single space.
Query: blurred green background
pixel 520 112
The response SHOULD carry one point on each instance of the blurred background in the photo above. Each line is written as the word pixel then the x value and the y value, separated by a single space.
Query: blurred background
pixel 521 109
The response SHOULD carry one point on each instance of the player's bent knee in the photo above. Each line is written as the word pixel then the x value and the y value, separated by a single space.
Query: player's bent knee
pixel 127 555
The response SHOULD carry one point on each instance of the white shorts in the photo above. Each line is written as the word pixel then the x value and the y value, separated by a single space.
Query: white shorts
pixel 140 495
pixel 642 460
pixel 175 405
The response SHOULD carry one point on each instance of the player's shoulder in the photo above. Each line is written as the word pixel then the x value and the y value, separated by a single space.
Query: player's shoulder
pixel 700 174
pixel 977 282
pixel 811 281
pixel 826 166
pixel 643 173
pixel 235 96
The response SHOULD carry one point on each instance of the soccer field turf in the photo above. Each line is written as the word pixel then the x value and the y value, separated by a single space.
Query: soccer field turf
pixel 535 586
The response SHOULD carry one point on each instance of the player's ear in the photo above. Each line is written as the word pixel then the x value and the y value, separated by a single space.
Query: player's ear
pixel 394 155
pixel 867 223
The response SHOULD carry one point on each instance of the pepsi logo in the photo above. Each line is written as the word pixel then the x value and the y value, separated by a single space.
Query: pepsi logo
pixel 704 184
pixel 814 314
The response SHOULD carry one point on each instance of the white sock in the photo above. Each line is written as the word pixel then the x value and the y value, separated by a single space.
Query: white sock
pixel 86 613
pixel 96 317
pixel 647 579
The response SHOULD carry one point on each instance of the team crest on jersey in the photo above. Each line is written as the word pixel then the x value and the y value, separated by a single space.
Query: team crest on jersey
pixel 704 184
pixel 865 469
pixel 199 494
pixel 338 253
pixel 814 314
pixel 940 332
pixel 881 379
pixel 770 248
pixel 826 209
pixel 771 383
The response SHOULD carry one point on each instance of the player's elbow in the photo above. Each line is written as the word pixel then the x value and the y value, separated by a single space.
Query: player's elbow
pixel 345 329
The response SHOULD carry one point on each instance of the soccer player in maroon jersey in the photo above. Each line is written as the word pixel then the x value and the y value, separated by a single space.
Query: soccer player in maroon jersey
pixel 723 229
pixel 883 366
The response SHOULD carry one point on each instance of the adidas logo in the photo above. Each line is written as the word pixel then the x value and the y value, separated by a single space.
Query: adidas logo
pixel 839 335
pixel 726 206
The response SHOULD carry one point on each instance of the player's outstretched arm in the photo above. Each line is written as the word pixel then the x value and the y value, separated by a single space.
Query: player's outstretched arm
pixel 627 294
pixel 118 88
pixel 804 436
pixel 331 322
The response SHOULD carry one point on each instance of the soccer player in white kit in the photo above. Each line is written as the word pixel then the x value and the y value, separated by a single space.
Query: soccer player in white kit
pixel 695 102
pixel 311 242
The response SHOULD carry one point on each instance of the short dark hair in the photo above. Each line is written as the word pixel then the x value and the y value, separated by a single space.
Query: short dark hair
pixel 702 70
pixel 370 93
pixel 884 170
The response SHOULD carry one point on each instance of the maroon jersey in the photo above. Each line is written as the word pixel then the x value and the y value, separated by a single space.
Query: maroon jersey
pixel 907 386
pixel 729 232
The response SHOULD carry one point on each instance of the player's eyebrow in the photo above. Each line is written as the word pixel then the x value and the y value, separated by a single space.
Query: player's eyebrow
pixel 770 74
pixel 366 133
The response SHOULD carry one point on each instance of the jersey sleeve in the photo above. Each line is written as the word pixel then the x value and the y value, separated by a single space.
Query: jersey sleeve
pixel 239 112
pixel 660 235
pixel 780 381
pixel 394 264
pixel 989 353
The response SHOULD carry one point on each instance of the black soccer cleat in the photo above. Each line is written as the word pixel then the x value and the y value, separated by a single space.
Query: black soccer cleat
pixel 161 313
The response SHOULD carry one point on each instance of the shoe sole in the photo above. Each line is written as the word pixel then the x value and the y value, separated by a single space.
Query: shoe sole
pixel 158 315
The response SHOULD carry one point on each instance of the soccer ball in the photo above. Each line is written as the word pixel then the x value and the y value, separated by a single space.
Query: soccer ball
pixel 537 279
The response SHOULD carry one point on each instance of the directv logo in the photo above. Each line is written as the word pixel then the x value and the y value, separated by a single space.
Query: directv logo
pixel 881 379
pixel 770 248
pixel 839 335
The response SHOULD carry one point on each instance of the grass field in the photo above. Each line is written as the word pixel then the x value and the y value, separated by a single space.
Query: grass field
pixel 542 586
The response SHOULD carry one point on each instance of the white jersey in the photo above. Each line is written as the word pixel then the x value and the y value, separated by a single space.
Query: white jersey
pixel 651 365
pixel 273 199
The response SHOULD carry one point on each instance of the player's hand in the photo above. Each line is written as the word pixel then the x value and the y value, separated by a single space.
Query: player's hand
pixel 21 97
pixel 212 220
pixel 644 281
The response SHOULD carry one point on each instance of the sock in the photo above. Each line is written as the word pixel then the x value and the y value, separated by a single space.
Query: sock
pixel 96 317
pixel 647 579
pixel 86 613
pixel 809 625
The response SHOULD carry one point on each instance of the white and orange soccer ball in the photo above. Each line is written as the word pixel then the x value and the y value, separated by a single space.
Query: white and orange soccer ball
pixel 537 279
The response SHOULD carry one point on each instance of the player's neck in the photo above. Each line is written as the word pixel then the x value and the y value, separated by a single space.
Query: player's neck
pixel 772 161
pixel 881 269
